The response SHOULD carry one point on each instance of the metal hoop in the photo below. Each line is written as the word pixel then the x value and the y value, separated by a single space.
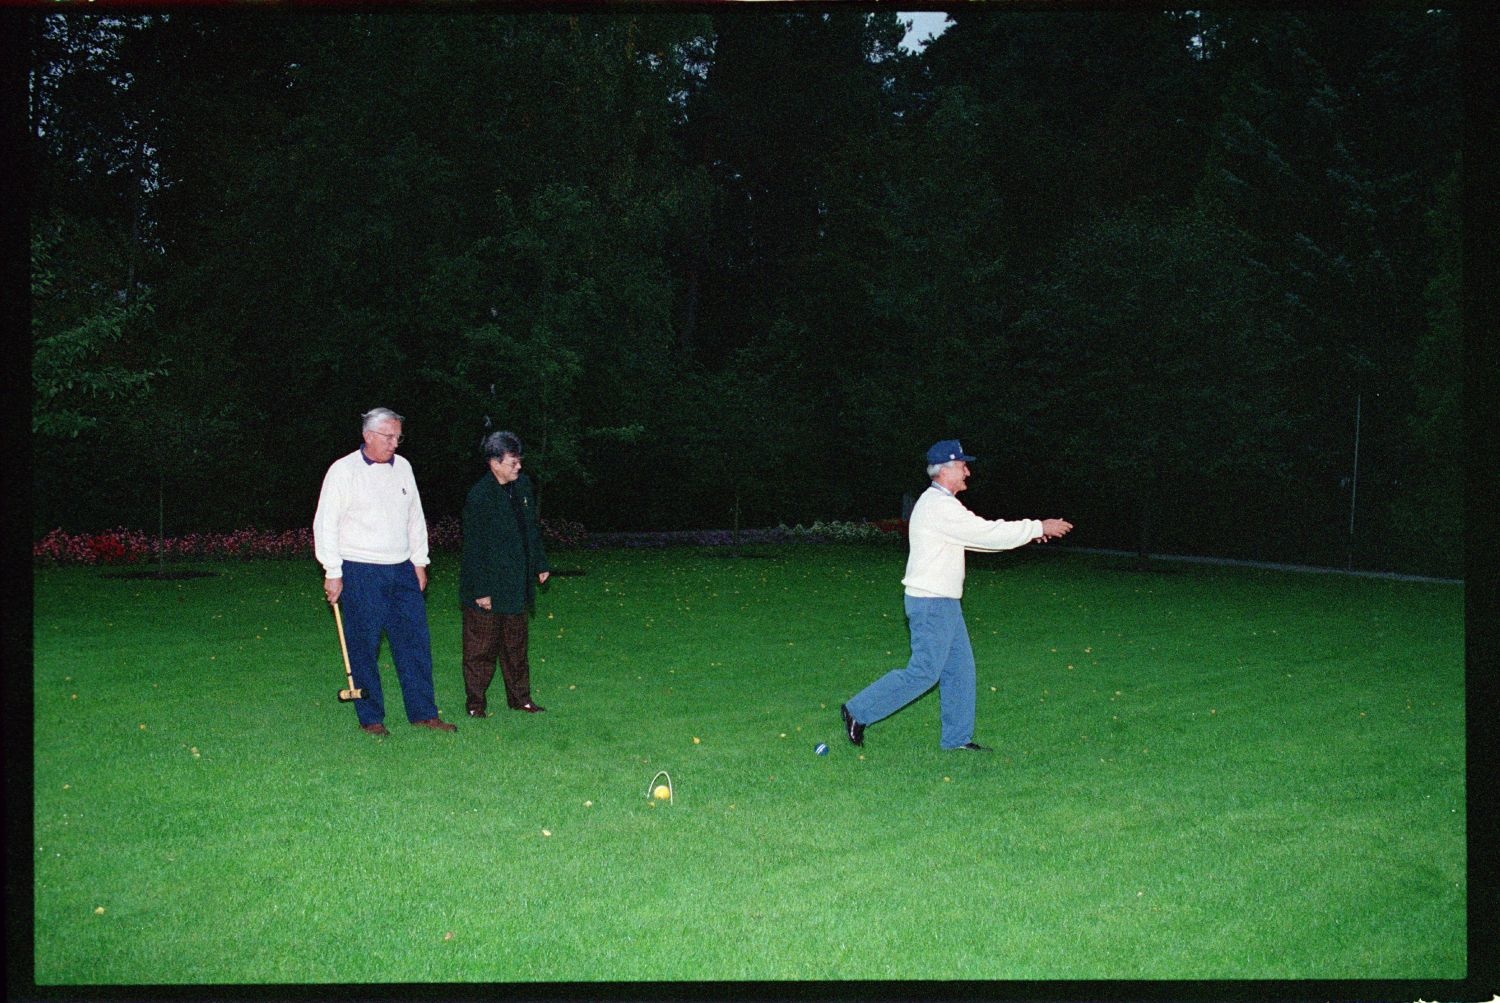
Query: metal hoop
pixel 671 794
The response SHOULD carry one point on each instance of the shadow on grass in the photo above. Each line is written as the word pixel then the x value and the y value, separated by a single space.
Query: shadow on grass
pixel 1137 565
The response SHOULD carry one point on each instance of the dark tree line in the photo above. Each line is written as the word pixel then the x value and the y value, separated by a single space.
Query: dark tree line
pixel 741 267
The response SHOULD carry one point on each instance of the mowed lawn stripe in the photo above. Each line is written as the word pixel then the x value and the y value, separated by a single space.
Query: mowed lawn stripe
pixel 1205 773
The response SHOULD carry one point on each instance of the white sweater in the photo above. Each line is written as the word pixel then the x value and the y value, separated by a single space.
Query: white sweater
pixel 371 513
pixel 940 530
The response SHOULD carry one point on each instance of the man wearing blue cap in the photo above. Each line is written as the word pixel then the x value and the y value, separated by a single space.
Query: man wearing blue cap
pixel 940 531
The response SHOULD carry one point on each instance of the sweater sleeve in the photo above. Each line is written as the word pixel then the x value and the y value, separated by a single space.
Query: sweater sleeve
pixel 416 528
pixel 331 501
pixel 958 525
pixel 476 570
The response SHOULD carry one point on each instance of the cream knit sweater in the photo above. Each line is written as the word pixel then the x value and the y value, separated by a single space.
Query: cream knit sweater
pixel 939 532
pixel 370 513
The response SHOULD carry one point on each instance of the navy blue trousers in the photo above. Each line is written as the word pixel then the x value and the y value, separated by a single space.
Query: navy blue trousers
pixel 386 599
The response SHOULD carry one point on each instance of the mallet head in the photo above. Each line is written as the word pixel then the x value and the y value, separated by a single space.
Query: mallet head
pixel 355 694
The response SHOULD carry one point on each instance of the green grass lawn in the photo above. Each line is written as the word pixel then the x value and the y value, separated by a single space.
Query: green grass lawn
pixel 1198 774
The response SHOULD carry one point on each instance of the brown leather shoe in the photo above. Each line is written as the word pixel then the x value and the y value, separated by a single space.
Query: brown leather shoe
pixel 436 724
pixel 374 729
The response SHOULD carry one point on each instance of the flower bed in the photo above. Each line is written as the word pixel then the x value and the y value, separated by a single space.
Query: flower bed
pixel 132 546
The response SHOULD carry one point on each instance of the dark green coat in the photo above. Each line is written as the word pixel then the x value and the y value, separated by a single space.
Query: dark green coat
pixel 497 562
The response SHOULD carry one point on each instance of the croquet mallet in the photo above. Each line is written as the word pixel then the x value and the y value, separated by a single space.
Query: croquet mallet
pixel 351 693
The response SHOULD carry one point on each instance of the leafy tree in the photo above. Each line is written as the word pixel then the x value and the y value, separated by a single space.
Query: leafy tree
pixel 91 325
pixel 1148 366
pixel 1314 159
pixel 1436 475
pixel 342 189
pixel 782 126
pixel 683 254
pixel 562 300
pixel 793 129
pixel 1019 127
pixel 1068 113
pixel 82 335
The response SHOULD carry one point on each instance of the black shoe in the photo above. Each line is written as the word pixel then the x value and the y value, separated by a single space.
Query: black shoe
pixel 478 712
pixel 854 728
pixel 972 747
pixel 530 708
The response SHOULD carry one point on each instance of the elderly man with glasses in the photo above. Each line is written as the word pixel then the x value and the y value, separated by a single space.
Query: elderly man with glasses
pixel 370 535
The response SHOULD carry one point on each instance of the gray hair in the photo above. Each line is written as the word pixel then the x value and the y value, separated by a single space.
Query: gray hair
pixel 376 415
pixel 934 468
pixel 498 445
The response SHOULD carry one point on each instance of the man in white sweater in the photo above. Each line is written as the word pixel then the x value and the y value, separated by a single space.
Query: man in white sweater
pixel 941 529
pixel 370 535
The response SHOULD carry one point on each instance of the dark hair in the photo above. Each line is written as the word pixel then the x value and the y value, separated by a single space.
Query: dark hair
pixel 498 445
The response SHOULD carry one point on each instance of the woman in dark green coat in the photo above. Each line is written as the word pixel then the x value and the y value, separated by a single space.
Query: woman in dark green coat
pixel 503 562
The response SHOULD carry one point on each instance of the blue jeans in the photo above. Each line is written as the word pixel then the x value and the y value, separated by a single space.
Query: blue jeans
pixel 941 655
pixel 386 599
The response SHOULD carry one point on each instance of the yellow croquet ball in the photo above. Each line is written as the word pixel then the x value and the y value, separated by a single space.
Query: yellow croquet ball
pixel 662 792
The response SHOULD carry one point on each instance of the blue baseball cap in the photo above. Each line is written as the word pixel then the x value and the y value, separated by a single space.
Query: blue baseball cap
pixel 946 451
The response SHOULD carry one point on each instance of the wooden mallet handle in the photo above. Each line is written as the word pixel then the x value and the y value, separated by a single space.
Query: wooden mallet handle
pixel 352 693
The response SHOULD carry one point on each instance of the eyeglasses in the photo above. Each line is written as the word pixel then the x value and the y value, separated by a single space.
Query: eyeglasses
pixel 394 438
